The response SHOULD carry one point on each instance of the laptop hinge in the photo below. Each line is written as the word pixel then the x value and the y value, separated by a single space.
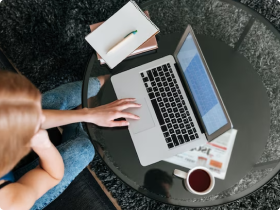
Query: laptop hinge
pixel 182 78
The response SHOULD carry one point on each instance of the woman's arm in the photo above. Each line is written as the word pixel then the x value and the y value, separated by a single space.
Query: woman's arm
pixel 35 183
pixel 102 115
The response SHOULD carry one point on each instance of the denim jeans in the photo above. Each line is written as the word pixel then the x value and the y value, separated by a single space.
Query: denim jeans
pixel 76 149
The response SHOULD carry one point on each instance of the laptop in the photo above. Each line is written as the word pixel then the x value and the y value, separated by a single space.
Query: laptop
pixel 181 106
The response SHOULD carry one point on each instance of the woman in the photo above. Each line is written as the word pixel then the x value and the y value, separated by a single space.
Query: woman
pixel 23 121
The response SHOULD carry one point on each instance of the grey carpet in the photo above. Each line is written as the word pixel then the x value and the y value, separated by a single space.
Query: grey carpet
pixel 45 39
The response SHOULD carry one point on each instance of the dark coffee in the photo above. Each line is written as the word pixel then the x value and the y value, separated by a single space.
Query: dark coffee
pixel 199 180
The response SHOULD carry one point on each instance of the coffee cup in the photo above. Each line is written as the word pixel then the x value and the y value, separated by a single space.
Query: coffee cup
pixel 198 180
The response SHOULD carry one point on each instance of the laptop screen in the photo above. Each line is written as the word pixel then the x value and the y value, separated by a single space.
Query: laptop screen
pixel 201 87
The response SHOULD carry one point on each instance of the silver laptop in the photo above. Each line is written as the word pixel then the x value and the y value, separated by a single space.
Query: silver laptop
pixel 181 106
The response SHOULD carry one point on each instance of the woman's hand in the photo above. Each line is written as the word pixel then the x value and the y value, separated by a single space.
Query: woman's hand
pixel 41 140
pixel 106 114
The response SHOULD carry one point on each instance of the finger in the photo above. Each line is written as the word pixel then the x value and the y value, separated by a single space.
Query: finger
pixel 120 101
pixel 119 123
pixel 127 115
pixel 128 105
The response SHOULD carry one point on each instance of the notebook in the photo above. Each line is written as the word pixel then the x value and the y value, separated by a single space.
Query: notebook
pixel 129 18
pixel 150 44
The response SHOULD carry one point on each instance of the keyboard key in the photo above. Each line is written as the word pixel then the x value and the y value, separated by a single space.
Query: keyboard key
pixel 186 137
pixel 194 130
pixel 150 75
pixel 155 73
pixel 181 97
pixel 161 104
pixel 171 99
pixel 175 110
pixel 161 73
pixel 167 89
pixel 157 94
pixel 190 119
pixel 169 94
pixel 146 85
pixel 145 79
pixel 169 110
pixel 183 116
pixel 183 131
pixel 170 70
pixel 167 74
pixel 173 104
pixel 168 139
pixel 149 89
pixel 165 83
pixel 176 126
pixel 142 75
pixel 183 102
pixel 157 79
pixel 168 65
pixel 163 109
pixel 181 125
pixel 167 120
pixel 179 91
pixel 177 115
pixel 178 132
pixel 188 126
pixel 185 121
pixel 159 99
pixel 171 84
pixel 163 128
pixel 172 75
pixel 177 86
pixel 185 107
pixel 182 110
pixel 171 115
pixel 196 136
pixel 190 132
pixel 177 100
pixel 179 120
pixel 187 112
pixel 170 145
pixel 151 95
pixel 173 120
pixel 173 89
pixel 179 105
pixel 192 137
pixel 181 140
pixel 157 111
pixel 161 89
pixel 192 124
pixel 164 68
pixel 167 104
pixel 169 79
pixel 169 125
pixel 153 83
pixel 163 79
pixel 165 114
pixel 175 94
pixel 175 81
pixel 159 84
pixel 175 140
pixel 171 131
pixel 159 68
pixel 155 89
pixel 166 134
pixel 165 100
pixel 163 95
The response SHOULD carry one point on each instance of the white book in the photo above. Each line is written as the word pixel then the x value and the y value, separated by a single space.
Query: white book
pixel 129 18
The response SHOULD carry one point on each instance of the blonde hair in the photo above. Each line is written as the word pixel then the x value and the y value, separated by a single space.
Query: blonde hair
pixel 19 116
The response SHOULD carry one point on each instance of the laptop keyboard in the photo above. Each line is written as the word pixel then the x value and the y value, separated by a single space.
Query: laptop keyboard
pixel 170 108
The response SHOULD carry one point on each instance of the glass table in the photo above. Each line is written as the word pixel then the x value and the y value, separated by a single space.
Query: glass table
pixel 242 50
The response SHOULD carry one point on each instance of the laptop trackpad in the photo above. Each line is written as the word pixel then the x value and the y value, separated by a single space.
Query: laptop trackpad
pixel 146 120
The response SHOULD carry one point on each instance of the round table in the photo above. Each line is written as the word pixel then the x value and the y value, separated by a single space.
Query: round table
pixel 241 49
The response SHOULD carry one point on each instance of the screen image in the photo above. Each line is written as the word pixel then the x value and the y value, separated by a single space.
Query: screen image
pixel 200 85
